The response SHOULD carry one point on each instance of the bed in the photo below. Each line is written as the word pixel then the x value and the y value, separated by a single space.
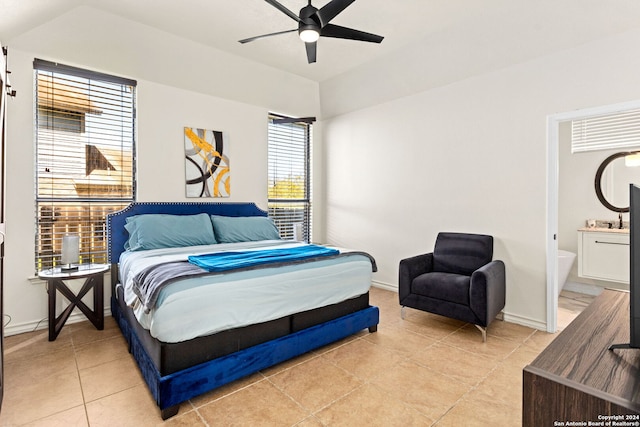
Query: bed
pixel 181 362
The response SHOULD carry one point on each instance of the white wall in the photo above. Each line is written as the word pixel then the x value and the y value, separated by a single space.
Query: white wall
pixel 470 156
pixel 222 92
pixel 163 111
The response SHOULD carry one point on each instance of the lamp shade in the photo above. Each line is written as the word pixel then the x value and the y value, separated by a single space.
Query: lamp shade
pixel 297 232
pixel 70 249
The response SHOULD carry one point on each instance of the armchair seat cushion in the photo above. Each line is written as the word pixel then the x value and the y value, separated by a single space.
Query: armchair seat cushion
pixel 449 287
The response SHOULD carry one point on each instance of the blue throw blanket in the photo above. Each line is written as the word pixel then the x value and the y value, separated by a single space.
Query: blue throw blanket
pixel 241 259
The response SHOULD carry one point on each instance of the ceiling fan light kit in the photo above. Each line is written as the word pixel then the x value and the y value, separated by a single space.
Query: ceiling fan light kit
pixel 313 23
pixel 309 35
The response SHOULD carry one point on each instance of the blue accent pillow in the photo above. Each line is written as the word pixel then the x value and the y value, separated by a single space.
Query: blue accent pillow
pixel 230 229
pixel 157 231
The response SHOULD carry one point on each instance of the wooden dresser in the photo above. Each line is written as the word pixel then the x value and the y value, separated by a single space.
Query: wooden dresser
pixel 577 379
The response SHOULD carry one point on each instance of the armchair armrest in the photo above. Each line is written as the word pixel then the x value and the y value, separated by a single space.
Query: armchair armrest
pixel 488 291
pixel 410 268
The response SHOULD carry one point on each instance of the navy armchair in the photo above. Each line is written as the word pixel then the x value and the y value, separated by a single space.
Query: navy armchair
pixel 459 279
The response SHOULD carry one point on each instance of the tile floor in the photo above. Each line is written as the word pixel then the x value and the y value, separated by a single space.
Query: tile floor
pixel 570 304
pixel 424 370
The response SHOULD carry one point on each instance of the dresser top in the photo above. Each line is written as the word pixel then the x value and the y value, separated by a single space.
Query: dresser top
pixel 580 357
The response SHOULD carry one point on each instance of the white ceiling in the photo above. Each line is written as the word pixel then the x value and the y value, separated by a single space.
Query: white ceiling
pixel 518 29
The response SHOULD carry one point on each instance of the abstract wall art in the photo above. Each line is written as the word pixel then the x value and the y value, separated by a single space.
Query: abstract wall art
pixel 206 163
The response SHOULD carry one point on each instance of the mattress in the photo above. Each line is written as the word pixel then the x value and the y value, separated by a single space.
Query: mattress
pixel 203 305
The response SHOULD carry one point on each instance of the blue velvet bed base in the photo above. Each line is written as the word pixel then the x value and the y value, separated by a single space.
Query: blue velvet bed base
pixel 171 390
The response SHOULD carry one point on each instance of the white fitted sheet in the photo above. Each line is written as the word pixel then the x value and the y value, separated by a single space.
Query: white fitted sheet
pixel 201 306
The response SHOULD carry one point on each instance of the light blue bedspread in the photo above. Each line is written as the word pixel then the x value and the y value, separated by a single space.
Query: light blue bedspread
pixel 223 261
pixel 205 302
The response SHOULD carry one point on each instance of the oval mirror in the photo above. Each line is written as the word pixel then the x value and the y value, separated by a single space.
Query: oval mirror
pixel 613 178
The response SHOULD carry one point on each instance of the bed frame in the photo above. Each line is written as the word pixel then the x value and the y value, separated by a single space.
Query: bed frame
pixel 177 372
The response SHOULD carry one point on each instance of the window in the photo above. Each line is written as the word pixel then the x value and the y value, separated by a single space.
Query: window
pixel 290 177
pixel 85 152
pixel 615 130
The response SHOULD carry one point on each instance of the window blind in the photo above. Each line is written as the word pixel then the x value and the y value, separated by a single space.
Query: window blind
pixel 619 130
pixel 85 150
pixel 289 189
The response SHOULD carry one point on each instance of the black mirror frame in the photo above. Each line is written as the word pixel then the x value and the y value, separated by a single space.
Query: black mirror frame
pixel 598 180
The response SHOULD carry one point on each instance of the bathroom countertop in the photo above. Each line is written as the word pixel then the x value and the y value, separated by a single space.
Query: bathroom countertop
pixel 605 230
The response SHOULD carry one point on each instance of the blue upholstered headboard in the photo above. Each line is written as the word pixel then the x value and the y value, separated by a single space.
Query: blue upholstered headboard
pixel 117 235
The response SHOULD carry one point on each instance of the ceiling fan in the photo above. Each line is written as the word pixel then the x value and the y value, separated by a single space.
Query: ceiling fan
pixel 314 23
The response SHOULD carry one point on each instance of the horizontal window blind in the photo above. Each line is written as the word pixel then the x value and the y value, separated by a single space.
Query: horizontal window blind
pixel 290 179
pixel 85 131
pixel 620 130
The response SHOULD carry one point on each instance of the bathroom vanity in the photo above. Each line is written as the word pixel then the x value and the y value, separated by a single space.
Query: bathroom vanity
pixel 603 254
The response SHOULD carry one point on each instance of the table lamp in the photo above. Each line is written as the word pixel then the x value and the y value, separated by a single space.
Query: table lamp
pixel 70 252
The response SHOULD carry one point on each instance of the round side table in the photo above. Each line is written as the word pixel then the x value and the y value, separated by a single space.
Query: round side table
pixel 94 279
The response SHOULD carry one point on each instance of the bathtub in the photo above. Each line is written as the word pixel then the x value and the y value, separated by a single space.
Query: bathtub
pixel 565 262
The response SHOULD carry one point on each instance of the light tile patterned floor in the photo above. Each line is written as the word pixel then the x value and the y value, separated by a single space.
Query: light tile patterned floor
pixel 570 304
pixel 424 370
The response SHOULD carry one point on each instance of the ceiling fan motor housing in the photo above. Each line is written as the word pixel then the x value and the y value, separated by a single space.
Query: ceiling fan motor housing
pixel 309 19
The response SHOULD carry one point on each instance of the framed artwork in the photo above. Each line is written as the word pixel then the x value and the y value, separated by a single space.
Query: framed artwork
pixel 206 163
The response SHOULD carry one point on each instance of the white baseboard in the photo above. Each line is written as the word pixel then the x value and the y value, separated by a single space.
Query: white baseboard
pixel 385 286
pixel 524 321
pixel 15 329
pixel 38 325
pixel 507 317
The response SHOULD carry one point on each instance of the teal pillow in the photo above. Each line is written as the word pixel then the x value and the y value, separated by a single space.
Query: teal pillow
pixel 230 229
pixel 157 231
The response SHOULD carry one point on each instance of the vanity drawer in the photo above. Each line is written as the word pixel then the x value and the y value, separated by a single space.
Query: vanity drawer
pixel 604 256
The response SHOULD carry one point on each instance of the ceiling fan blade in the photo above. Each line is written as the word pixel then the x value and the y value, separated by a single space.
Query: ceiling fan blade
pixel 331 10
pixel 311 51
pixel 339 32
pixel 250 39
pixel 283 9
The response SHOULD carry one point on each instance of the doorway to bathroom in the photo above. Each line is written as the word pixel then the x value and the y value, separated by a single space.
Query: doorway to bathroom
pixel 571 201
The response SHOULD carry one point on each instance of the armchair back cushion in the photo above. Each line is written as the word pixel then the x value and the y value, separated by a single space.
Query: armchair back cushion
pixel 462 253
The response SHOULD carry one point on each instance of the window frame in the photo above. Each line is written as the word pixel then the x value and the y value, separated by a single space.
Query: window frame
pixel 85 211
pixel 286 222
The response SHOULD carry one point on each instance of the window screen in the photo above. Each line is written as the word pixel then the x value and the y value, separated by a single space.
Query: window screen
pixel 85 151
